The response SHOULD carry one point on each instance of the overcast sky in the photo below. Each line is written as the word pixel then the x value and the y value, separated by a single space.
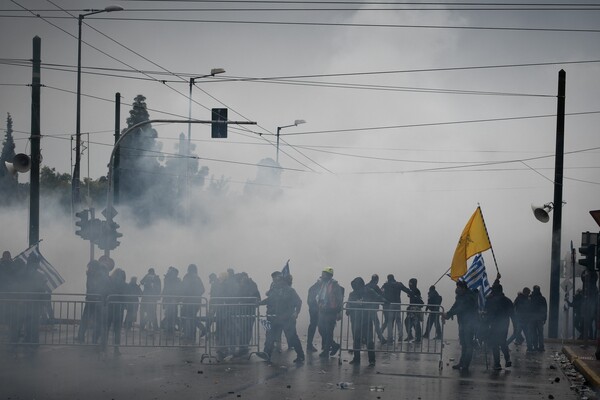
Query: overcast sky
pixel 413 117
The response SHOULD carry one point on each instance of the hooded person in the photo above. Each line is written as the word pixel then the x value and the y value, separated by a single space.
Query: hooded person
pixel 362 309
pixel 192 290
pixel 539 314
pixel 283 307
pixel 497 315
pixel 434 301
pixel 171 295
pixel 466 308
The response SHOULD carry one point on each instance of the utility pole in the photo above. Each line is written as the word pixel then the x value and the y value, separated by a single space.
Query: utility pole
pixel 558 201
pixel 117 172
pixel 34 177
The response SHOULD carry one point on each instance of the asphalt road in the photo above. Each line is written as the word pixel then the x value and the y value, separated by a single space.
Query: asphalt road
pixel 170 373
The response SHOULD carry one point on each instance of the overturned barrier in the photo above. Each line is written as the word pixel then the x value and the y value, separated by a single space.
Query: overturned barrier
pixel 391 328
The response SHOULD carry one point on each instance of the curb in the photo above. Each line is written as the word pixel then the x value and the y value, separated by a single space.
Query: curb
pixel 590 375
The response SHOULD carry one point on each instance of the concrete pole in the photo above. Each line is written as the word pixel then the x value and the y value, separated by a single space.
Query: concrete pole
pixel 558 202
pixel 34 185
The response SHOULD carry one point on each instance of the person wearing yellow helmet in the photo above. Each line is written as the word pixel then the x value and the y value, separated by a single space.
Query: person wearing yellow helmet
pixel 329 299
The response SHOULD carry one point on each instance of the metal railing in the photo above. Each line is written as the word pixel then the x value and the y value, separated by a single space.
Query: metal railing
pixel 400 328
pixel 233 327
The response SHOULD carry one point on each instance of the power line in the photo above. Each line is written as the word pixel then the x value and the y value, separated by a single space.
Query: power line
pixel 351 25
pixel 373 128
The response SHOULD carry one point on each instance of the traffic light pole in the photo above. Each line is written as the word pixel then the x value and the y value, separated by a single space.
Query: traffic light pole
pixel 92 217
pixel 111 161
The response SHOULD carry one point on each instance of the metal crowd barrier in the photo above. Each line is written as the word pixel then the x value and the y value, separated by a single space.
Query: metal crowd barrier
pixel 233 327
pixel 358 329
pixel 119 320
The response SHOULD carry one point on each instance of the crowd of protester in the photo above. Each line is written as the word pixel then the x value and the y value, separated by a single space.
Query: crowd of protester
pixel 172 305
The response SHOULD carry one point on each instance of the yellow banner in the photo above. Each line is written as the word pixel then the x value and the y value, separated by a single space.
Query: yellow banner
pixel 474 239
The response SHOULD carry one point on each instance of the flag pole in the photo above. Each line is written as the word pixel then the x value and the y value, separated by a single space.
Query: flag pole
pixel 444 274
pixel 488 236
pixel 28 248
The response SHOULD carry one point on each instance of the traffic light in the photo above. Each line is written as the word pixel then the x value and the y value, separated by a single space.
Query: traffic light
pixel 108 239
pixel 83 224
pixel 114 235
pixel 588 254
pixel 219 129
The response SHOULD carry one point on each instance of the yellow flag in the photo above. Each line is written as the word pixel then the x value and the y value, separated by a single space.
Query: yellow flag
pixel 474 239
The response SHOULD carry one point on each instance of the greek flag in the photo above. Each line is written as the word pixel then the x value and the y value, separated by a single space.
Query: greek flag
pixel 476 279
pixel 53 278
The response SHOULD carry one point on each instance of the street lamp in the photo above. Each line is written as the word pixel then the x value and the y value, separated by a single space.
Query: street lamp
pixel 76 170
pixel 213 72
pixel 279 128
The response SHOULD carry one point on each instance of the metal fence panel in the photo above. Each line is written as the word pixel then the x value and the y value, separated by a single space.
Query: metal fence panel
pixel 118 320
pixel 358 328
pixel 234 329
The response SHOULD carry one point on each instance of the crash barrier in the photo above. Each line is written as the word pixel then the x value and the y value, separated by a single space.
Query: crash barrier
pixel 233 327
pixel 392 328
pixel 119 320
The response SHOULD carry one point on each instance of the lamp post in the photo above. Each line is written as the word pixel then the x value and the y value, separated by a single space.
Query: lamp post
pixel 75 183
pixel 279 128
pixel 213 72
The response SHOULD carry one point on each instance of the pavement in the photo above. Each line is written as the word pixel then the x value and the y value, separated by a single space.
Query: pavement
pixel 583 358
pixel 71 372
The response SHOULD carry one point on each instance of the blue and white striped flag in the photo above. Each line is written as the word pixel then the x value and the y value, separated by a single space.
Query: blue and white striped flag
pixel 476 279
pixel 53 278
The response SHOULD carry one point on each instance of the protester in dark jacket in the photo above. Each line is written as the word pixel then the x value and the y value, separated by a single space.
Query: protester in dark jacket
pixel 497 315
pixel 520 318
pixel 374 285
pixel 362 309
pixel 133 302
pixel 313 313
pixel 116 300
pixel 465 307
pixel 414 316
pixel 539 314
pixel 283 307
pixel 171 295
pixel 434 300
pixel 391 310
pixel 192 291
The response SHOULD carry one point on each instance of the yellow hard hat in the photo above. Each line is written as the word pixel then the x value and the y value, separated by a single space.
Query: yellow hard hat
pixel 329 270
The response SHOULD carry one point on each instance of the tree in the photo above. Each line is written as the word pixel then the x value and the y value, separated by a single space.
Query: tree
pixel 8 146
pixel 152 186
pixel 8 182
pixel 268 180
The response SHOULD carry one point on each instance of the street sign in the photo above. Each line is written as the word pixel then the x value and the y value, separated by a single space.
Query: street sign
pixel 113 213
pixel 596 215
